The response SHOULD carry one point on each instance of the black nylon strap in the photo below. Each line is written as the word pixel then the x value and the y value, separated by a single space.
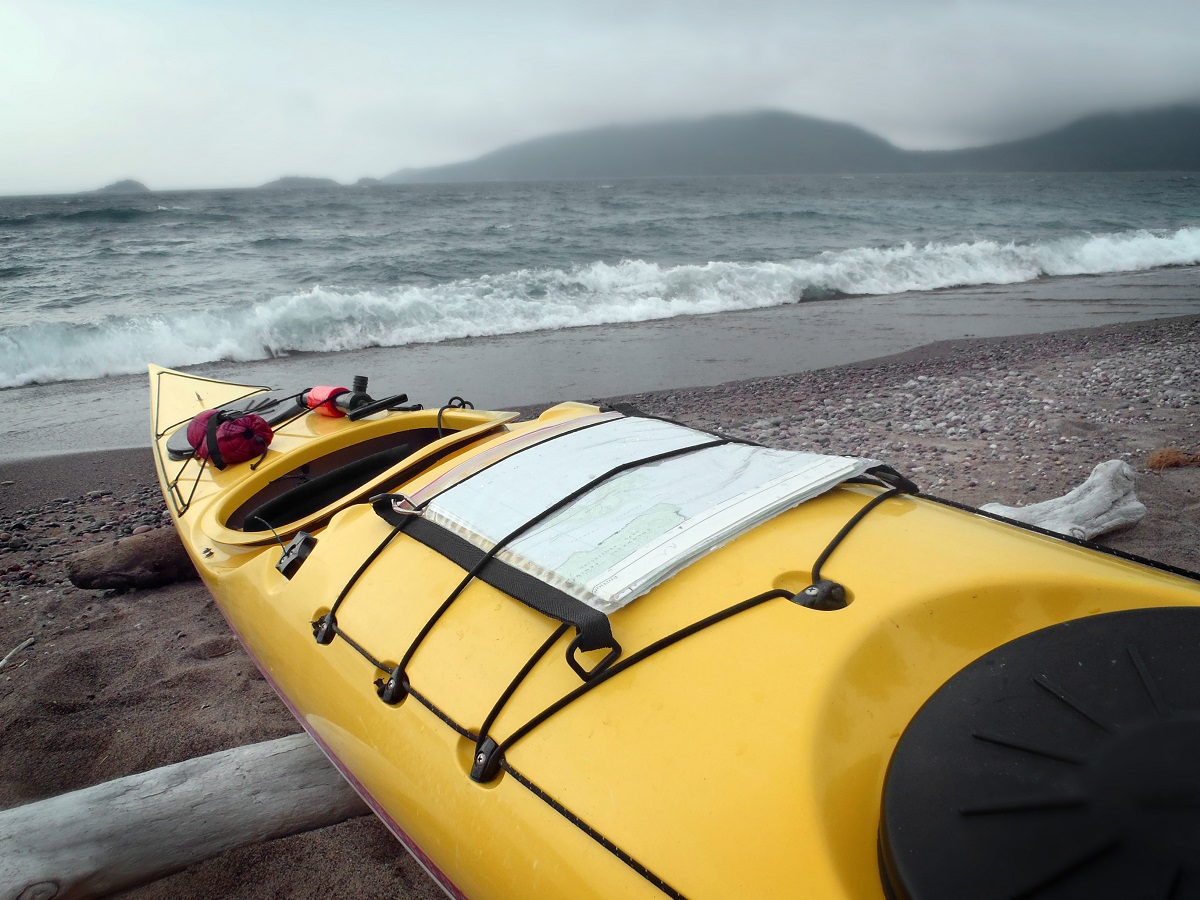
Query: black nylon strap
pixel 214 453
pixel 592 625
pixel 593 631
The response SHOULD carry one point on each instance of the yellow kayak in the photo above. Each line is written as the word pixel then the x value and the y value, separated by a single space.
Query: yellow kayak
pixel 598 654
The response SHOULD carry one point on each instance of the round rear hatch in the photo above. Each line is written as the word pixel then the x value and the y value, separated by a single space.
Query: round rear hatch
pixel 1063 764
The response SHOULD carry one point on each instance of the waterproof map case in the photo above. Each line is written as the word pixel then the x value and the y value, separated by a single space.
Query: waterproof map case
pixel 653 516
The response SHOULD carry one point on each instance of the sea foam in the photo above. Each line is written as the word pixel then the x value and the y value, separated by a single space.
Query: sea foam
pixel 328 319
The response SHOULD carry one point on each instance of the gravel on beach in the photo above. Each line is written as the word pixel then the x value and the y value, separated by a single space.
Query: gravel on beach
pixel 1031 415
pixel 118 683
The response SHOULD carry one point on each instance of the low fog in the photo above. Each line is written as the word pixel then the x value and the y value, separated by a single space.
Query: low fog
pixel 219 94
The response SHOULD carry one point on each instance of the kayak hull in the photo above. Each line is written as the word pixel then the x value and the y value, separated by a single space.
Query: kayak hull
pixel 746 759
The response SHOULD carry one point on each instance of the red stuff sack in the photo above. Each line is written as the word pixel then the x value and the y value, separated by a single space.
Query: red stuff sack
pixel 236 440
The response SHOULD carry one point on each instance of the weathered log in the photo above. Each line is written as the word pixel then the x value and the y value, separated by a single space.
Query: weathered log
pixel 1104 502
pixel 146 560
pixel 122 833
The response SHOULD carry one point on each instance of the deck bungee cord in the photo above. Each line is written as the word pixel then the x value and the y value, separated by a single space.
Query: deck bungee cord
pixel 488 720
pixel 454 402
pixel 593 631
pixel 489 756
pixel 405 516
pixel 212 422
pixel 400 510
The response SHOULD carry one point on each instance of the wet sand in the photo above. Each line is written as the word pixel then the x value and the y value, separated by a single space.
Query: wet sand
pixel 120 683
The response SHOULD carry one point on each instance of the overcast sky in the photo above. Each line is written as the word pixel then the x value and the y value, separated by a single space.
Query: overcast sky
pixel 217 93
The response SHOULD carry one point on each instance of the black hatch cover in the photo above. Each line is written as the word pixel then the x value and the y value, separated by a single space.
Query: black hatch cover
pixel 1064 764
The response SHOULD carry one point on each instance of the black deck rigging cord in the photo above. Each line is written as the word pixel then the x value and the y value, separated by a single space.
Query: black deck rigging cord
pixel 173 484
pixel 391 691
pixel 326 628
pixel 487 769
pixel 847 528
pixel 184 504
pixel 490 755
pixel 541 651
pixel 454 402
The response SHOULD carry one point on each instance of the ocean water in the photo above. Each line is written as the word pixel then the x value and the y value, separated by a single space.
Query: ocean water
pixel 95 286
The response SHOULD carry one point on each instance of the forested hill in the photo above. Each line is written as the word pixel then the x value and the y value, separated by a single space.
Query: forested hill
pixel 776 143
pixel 1153 141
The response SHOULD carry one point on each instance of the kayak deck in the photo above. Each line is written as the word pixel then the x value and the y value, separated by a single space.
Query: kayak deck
pixel 739 745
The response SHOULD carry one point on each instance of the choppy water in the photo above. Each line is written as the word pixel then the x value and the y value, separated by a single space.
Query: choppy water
pixel 95 285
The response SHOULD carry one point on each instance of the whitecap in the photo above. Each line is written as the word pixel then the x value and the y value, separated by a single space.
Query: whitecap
pixel 328 319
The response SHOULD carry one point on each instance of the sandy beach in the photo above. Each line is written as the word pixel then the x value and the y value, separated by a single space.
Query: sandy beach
pixel 119 683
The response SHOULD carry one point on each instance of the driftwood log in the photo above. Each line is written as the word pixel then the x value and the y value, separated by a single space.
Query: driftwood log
pixel 146 560
pixel 1104 502
pixel 123 833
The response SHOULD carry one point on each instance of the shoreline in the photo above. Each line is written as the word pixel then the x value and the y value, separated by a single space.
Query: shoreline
pixel 587 362
pixel 120 683
pixel 36 480
pixel 97 459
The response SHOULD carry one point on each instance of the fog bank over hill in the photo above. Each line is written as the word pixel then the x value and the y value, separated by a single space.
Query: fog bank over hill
pixel 778 143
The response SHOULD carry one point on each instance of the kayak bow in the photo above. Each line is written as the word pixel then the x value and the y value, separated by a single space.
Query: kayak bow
pixel 597 654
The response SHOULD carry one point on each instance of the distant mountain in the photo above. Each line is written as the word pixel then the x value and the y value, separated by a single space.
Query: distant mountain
pixel 763 143
pixel 127 186
pixel 776 143
pixel 298 182
pixel 1147 141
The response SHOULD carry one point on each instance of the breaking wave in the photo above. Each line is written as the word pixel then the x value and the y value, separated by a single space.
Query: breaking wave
pixel 327 319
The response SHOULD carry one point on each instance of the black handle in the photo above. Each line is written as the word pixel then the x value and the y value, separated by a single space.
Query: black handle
pixel 369 409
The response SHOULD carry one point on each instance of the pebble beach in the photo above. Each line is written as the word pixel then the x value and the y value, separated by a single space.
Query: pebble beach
pixel 1028 415
pixel 120 682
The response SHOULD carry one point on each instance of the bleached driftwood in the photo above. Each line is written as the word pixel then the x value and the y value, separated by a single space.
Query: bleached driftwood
pixel 122 833
pixel 25 644
pixel 1104 502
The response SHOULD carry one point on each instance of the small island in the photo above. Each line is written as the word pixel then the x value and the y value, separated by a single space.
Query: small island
pixel 299 182
pixel 126 186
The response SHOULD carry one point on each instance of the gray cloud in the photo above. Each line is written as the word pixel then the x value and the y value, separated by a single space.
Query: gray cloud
pixel 190 95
